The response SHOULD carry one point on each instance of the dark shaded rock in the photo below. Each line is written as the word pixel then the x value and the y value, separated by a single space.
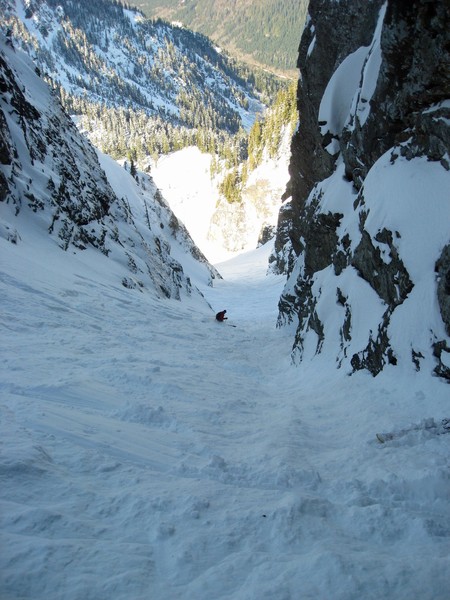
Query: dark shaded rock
pixel 442 349
pixel 389 279
pixel 338 29
pixel 267 233
pixel 5 142
pixel 414 79
pixel 320 241
pixel 378 351
pixel 443 286
pixel 399 110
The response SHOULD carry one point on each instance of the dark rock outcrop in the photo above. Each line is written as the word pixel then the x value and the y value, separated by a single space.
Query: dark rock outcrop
pixel 414 76
pixel 333 31
pixel 374 112
pixel 443 288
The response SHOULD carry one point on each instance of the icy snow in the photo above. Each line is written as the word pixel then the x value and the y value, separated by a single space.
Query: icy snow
pixel 151 452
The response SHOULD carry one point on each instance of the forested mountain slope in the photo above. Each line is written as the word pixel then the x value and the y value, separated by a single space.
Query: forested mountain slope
pixel 266 32
pixel 139 84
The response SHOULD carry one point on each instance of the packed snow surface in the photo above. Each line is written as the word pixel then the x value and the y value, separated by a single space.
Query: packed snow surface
pixel 148 451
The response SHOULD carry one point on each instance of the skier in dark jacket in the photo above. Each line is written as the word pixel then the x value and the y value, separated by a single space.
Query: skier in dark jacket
pixel 221 315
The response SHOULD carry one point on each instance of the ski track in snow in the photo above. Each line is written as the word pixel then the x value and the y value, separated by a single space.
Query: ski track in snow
pixel 150 452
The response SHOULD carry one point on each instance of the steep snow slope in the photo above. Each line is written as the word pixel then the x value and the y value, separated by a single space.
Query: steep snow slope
pixel 150 452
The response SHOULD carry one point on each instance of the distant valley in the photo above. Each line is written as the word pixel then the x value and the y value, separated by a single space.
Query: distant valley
pixel 266 32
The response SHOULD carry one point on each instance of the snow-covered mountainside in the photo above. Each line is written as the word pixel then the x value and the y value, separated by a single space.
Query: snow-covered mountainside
pixel 143 88
pixel 231 206
pixel 365 234
pixel 53 185
pixel 104 54
pixel 242 226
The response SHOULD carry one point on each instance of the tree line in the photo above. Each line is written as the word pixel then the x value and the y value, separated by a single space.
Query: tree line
pixel 269 31
pixel 264 140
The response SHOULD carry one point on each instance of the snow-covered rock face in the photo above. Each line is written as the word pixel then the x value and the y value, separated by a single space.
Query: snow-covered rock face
pixel 364 234
pixel 52 183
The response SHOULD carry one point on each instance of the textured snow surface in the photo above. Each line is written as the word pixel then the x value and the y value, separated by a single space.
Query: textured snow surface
pixel 148 451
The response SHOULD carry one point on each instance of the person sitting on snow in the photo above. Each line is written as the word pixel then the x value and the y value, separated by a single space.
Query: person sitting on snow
pixel 221 315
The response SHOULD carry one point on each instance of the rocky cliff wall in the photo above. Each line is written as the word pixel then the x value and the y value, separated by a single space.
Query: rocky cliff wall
pixel 333 31
pixel 364 231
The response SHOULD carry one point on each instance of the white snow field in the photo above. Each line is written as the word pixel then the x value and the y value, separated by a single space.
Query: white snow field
pixel 151 453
